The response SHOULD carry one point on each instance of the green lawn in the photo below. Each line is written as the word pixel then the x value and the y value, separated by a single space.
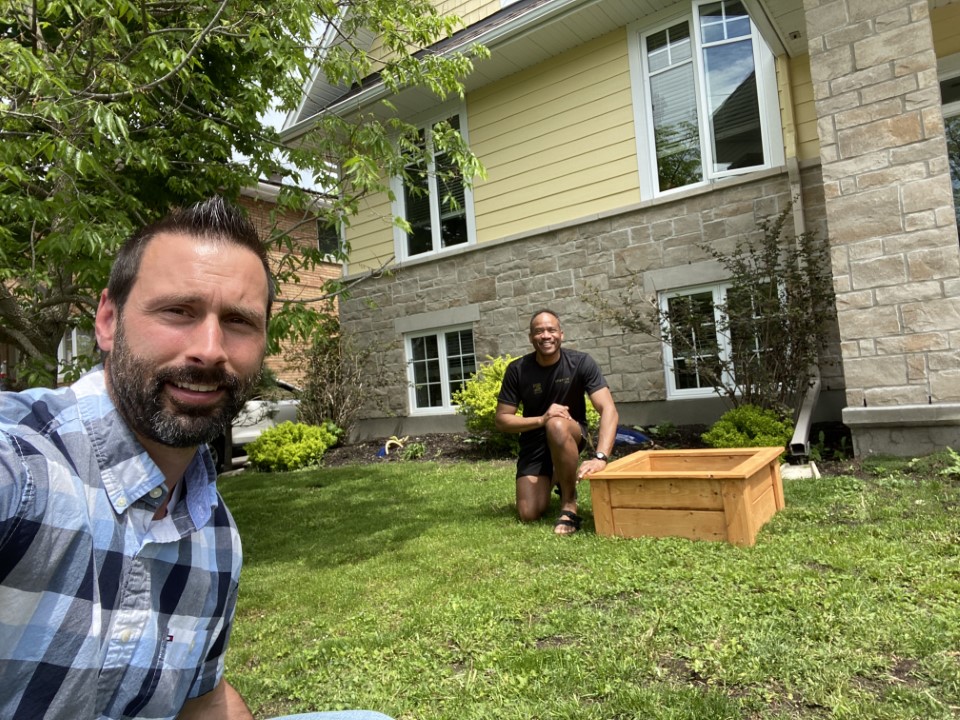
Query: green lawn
pixel 411 588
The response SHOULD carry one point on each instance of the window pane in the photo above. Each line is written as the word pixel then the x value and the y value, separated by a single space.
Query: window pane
pixel 425 357
pixel 675 130
pixel 953 153
pixel 723 21
pixel 733 106
pixel 461 361
pixel 950 90
pixel 416 198
pixel 669 47
pixel 693 340
pixel 328 237
pixel 453 214
pixel 949 94
pixel 673 108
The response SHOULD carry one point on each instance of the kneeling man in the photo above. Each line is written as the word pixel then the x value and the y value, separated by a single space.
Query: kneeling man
pixel 550 384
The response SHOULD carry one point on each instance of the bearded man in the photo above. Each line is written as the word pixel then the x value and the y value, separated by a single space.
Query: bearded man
pixel 119 562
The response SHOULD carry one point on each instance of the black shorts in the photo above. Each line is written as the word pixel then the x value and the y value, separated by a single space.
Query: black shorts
pixel 534 457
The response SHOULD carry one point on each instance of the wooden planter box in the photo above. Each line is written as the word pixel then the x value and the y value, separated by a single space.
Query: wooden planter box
pixel 723 494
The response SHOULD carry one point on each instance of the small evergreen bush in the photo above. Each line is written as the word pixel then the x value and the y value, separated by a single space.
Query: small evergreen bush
pixel 477 400
pixel 749 426
pixel 292 446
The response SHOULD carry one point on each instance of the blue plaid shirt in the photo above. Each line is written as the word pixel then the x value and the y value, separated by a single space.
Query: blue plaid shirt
pixel 103 614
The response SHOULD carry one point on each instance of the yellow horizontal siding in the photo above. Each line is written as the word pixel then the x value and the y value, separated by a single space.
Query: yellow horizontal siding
pixel 804 112
pixel 946 30
pixel 557 140
pixel 371 234
pixel 470 11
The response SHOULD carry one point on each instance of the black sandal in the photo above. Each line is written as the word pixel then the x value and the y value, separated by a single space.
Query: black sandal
pixel 568 519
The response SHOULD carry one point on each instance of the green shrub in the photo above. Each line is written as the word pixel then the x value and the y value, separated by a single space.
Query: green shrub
pixel 749 426
pixel 477 400
pixel 292 446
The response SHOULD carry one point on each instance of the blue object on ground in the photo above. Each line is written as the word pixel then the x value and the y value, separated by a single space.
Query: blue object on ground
pixel 629 436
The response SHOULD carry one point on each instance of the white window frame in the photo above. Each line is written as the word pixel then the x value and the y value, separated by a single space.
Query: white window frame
pixel 74 343
pixel 399 205
pixel 440 333
pixel 948 68
pixel 767 98
pixel 719 293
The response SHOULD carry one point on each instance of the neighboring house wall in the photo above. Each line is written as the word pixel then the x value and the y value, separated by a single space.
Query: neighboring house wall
pixel 289 364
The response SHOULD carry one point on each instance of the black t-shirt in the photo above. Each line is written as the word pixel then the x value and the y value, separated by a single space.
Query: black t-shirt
pixel 535 388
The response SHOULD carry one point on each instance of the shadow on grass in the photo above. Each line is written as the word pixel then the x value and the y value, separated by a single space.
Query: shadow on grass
pixel 322 517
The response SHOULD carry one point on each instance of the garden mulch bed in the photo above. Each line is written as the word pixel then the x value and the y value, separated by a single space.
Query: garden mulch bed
pixel 462 447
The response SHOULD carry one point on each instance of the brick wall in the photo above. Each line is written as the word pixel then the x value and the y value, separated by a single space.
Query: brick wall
pixel 288 364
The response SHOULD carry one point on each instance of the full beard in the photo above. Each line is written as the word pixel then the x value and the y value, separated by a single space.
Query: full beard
pixel 138 392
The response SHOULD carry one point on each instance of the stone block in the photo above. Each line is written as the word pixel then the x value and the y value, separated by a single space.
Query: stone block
pixel 914 343
pixel 880 135
pixel 855 300
pixel 865 215
pixel 934 263
pixel 926 194
pixel 909 394
pixel 861 11
pixel 920 221
pixel 865 249
pixel 891 88
pixel 830 65
pixel 825 17
pixel 868 323
pixel 931 315
pixel 911 292
pixel 891 175
pixel 881 371
pixel 896 42
pixel 877 272
pixel 945 387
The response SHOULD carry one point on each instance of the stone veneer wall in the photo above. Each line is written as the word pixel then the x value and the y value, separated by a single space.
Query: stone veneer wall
pixel 890 215
pixel 499 285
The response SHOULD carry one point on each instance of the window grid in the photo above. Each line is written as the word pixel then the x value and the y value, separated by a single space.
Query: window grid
pixel 434 201
pixel 708 93
pixel 438 365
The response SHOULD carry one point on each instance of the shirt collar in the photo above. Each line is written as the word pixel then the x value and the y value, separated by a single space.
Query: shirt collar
pixel 128 472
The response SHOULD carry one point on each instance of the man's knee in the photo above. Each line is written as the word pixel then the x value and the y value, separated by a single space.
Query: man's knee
pixel 560 431
pixel 529 512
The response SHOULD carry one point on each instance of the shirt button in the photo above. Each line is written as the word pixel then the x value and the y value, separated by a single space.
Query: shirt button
pixel 121 502
pixel 125 636
pixel 156 492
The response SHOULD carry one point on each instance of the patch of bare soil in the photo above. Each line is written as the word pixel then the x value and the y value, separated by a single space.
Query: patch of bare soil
pixel 461 447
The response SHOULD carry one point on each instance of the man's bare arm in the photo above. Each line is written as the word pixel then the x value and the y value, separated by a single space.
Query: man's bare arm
pixel 602 400
pixel 221 703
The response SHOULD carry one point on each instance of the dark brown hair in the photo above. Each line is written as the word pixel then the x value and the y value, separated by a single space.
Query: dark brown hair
pixel 213 219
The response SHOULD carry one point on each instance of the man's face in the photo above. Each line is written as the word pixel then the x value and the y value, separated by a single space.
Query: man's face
pixel 189 343
pixel 546 335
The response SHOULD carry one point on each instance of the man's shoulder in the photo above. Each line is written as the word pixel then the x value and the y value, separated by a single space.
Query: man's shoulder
pixel 524 361
pixel 576 357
